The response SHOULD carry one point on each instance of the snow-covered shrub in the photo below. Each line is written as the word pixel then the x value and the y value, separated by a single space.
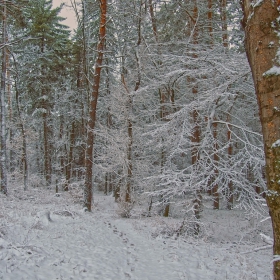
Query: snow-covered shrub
pixel 76 191
pixel 124 208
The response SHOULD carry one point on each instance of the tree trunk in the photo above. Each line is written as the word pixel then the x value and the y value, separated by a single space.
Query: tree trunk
pixel 70 156
pixel 166 210
pixel 109 125
pixel 92 106
pixel 24 142
pixel 153 19
pixel 216 171
pixel 81 60
pixel 47 160
pixel 129 106
pixel 106 183
pixel 62 159
pixel 129 157
pixel 210 21
pixel 3 161
pixel 223 6
pixel 195 139
pixel 12 153
pixel 262 44
pixel 45 114
pixel 230 184
pixel 130 141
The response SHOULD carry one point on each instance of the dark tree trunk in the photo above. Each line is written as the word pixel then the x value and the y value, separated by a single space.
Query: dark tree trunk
pixel 12 154
pixel 88 190
pixel 70 156
pixel 216 204
pixel 230 184
pixel 47 156
pixel 3 160
pixel 24 142
pixel 223 6
pixel 195 139
pixel 261 23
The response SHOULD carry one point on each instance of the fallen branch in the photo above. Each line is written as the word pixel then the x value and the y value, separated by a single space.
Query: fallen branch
pixel 258 249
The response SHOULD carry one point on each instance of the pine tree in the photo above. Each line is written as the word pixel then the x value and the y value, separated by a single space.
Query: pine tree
pixel 48 53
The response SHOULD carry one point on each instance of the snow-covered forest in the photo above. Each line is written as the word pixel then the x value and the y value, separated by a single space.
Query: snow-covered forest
pixel 132 147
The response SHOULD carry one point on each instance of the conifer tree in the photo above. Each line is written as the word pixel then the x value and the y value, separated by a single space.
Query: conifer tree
pixel 40 74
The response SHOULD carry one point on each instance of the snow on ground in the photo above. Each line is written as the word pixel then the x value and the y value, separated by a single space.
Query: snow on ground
pixel 43 236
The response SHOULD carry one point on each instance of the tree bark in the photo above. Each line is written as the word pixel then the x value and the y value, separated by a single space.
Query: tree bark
pixel 70 156
pixel 130 139
pixel 47 159
pixel 162 99
pixel 24 142
pixel 262 44
pixel 210 21
pixel 130 107
pixel 223 6
pixel 109 125
pixel 11 131
pixel 230 184
pixel 153 19
pixel 92 107
pixel 216 202
pixel 3 161
pixel 195 139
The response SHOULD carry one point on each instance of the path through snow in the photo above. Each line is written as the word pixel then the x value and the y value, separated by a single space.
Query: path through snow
pixel 100 245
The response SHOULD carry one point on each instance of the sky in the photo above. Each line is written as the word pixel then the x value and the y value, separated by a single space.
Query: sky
pixel 67 12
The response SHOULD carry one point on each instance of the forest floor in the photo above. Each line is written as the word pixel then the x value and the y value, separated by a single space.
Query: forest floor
pixel 47 237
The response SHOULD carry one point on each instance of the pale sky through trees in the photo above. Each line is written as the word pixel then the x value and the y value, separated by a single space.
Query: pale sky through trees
pixel 67 12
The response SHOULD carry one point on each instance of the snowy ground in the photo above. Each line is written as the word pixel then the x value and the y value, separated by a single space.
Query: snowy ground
pixel 101 245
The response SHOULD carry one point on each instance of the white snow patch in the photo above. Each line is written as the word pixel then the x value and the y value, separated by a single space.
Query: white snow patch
pixel 276 258
pixel 276 144
pixel 275 70
pixel 258 3
pixel 101 245
pixel 267 239
pixel 3 244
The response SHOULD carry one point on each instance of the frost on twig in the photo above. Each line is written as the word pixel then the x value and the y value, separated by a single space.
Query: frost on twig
pixel 258 249
pixel 276 258
pixel 266 239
